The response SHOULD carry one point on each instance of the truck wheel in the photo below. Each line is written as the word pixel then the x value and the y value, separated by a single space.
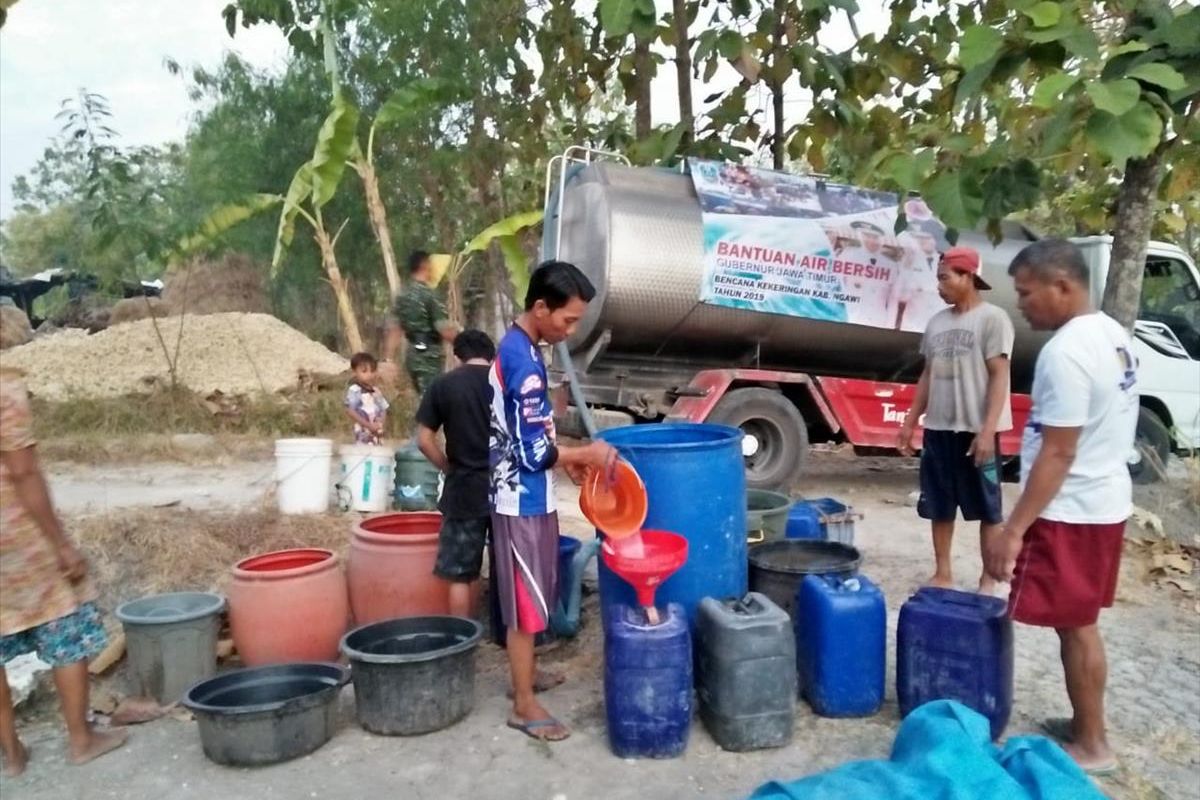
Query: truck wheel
pixel 1151 448
pixel 776 440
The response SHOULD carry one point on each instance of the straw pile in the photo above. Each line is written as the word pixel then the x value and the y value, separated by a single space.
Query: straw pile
pixel 236 354
pixel 131 553
pixel 131 309
pixel 235 283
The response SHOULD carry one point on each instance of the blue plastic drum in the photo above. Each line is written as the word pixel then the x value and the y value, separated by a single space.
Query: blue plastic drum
pixel 696 484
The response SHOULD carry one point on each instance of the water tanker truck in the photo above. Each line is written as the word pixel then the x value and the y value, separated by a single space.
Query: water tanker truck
pixel 784 358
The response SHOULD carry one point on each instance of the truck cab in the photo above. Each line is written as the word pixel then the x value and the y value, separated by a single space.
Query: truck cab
pixel 1167 344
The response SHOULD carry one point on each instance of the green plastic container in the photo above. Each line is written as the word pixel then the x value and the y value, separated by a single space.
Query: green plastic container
pixel 416 481
pixel 766 515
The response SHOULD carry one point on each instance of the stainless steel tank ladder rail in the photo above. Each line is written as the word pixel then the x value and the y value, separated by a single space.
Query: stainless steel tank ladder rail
pixel 575 154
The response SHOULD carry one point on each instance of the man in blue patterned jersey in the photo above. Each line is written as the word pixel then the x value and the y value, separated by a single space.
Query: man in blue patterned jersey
pixel 523 454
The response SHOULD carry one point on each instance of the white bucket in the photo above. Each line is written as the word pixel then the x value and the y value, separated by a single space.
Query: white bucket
pixel 366 477
pixel 302 471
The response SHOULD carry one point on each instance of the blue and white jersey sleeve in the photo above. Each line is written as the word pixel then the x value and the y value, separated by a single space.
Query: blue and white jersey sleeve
pixel 523 450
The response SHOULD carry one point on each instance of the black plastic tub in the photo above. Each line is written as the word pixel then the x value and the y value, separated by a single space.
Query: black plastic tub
pixel 413 675
pixel 264 715
pixel 777 568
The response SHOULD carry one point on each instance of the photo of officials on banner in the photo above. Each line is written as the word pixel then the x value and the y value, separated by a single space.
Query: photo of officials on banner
pixel 798 245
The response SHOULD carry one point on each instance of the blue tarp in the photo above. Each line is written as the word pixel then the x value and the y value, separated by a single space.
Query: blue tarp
pixel 943 751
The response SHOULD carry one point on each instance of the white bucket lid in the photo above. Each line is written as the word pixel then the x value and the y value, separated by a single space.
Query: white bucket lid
pixel 303 447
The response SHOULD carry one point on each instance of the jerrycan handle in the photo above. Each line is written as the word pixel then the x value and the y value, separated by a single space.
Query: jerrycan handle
pixel 956 598
pixel 744 606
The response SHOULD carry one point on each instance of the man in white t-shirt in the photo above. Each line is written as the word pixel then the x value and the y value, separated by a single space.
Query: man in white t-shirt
pixel 1062 545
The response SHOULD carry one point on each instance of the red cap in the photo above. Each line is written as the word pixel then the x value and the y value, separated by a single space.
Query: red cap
pixel 965 259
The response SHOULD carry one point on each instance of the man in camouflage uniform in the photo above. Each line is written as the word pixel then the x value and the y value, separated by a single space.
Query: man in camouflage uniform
pixel 420 318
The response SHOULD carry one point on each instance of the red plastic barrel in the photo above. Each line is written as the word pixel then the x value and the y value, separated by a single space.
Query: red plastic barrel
pixel 289 605
pixel 390 569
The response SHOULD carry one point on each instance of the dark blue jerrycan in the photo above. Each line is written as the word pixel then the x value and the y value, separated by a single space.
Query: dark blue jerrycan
pixel 841 644
pixel 746 672
pixel 647 682
pixel 956 646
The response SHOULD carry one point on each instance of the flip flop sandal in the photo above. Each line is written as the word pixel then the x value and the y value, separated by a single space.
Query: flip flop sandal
pixel 531 728
pixel 1058 728
pixel 1103 770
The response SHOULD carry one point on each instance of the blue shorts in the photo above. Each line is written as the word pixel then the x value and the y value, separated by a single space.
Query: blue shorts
pixel 950 480
pixel 60 642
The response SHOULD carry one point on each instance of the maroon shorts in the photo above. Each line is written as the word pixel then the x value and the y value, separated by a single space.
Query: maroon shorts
pixel 526 552
pixel 1066 573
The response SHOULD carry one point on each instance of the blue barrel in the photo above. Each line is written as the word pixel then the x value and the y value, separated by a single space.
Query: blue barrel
pixel 841 644
pixel 568 546
pixel 696 482
pixel 954 645
pixel 647 682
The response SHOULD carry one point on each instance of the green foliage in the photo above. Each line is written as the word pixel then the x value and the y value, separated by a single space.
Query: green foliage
pixel 506 234
pixel 222 219
pixel 335 143
pixel 93 205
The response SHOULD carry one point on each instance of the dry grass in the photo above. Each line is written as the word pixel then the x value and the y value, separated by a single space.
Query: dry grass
pixel 316 411
pixel 134 553
pixel 97 448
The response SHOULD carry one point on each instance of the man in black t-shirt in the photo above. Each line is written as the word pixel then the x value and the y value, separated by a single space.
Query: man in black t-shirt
pixel 459 403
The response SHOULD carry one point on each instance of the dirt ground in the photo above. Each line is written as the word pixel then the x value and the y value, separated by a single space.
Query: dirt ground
pixel 1153 637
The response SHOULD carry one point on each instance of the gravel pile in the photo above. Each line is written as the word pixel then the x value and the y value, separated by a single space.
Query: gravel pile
pixel 234 353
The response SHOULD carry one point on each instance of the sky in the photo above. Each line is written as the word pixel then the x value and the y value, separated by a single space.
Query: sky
pixel 49 49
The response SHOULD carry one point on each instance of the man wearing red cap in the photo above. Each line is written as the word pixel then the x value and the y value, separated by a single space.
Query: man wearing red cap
pixel 964 394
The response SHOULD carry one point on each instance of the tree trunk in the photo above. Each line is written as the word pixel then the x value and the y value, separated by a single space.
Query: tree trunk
pixel 437 205
pixel 778 52
pixel 341 291
pixel 1131 236
pixel 642 64
pixel 454 303
pixel 683 69
pixel 378 215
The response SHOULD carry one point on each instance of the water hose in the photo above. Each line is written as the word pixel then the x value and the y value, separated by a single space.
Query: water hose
pixel 565 619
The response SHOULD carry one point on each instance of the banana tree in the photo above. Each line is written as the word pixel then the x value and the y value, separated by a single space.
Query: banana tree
pixel 507 235
pixel 311 189
pixel 402 106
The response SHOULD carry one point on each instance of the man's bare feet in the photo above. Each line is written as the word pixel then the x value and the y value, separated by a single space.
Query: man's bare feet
pixel 939 581
pixel 15 762
pixel 1093 761
pixel 987 585
pixel 97 745
pixel 535 721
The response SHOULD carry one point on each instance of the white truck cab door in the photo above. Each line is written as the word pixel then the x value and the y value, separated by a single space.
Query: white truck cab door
pixel 1167 343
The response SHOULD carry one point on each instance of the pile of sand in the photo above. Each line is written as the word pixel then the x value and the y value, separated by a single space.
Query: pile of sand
pixel 234 353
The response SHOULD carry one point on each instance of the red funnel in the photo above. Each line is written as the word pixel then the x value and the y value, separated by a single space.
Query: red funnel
pixel 644 560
